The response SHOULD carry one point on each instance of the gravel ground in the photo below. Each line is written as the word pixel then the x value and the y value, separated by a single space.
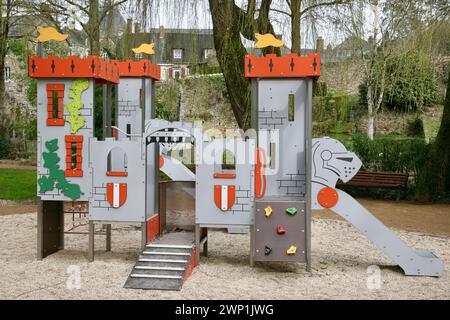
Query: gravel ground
pixel 341 257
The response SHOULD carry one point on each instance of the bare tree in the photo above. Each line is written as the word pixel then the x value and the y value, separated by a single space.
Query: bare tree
pixel 298 10
pixel 95 15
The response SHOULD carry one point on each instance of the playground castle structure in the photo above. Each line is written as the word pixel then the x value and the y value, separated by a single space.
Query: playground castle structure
pixel 279 175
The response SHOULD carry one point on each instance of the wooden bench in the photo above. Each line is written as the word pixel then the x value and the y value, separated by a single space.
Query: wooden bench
pixel 381 180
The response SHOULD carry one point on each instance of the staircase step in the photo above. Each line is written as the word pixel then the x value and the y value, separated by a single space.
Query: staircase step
pixel 163 260
pixel 167 253
pixel 168 246
pixel 149 276
pixel 158 268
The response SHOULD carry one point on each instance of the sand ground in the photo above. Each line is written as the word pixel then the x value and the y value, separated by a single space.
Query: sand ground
pixel 341 257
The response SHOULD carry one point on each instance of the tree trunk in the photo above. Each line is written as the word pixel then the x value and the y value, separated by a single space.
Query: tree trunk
pixel 296 26
pixel 370 112
pixel 229 21
pixel 434 180
pixel 231 54
pixel 371 126
pixel 94 28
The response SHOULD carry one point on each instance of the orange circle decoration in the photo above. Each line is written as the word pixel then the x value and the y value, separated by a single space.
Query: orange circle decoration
pixel 328 197
pixel 161 161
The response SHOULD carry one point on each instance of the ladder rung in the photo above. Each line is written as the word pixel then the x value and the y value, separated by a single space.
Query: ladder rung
pixel 168 246
pixel 134 275
pixel 163 261
pixel 158 268
pixel 167 253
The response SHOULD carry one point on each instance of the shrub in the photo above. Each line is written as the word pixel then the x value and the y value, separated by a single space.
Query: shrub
pixel 5 148
pixel 411 83
pixel 391 153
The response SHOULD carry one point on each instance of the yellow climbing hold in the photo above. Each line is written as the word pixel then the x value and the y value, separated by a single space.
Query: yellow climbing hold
pixel 145 48
pixel 292 250
pixel 47 34
pixel 75 119
pixel 268 211
pixel 267 40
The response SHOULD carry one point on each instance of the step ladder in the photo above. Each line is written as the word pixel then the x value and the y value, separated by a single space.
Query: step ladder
pixel 161 267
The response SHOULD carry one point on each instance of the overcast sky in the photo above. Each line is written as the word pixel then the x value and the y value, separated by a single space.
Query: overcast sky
pixel 195 14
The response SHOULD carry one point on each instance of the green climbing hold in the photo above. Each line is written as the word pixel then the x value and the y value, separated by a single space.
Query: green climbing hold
pixel 56 175
pixel 291 211
pixel 75 119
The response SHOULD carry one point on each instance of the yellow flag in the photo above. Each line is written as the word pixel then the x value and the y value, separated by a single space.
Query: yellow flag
pixel 267 40
pixel 47 34
pixel 145 48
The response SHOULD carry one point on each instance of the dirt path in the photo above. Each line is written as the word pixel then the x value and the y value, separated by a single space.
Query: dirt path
pixel 16 166
pixel 432 219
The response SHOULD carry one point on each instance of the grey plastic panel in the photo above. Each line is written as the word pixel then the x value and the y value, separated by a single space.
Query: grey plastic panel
pixel 272 104
pixel 266 230
pixel 242 212
pixel 47 133
pixel 133 209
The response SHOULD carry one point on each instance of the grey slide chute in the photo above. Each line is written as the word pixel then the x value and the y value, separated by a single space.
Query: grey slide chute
pixel 331 162
pixel 413 262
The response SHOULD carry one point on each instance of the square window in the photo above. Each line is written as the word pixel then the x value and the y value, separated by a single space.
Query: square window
pixel 208 53
pixel 178 54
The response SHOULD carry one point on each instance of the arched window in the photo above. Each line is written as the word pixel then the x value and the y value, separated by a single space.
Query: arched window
pixel 117 163
pixel 227 168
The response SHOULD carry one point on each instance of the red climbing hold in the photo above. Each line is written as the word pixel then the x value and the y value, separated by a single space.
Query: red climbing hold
pixel 328 197
pixel 281 230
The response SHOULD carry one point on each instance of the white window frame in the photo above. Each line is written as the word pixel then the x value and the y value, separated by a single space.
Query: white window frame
pixel 177 56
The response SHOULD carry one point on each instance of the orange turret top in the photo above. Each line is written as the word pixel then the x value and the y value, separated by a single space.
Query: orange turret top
pixel 73 67
pixel 289 66
pixel 142 68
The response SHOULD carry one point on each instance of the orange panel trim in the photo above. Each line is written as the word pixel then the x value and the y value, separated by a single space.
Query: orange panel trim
pixel 74 138
pixel 55 122
pixel 191 266
pixel 116 174
pixel 153 228
pixel 289 66
pixel 224 176
pixel 73 173
pixel 260 177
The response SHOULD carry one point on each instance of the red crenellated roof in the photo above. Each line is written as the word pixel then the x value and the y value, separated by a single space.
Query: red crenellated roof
pixel 73 67
pixel 142 68
pixel 289 66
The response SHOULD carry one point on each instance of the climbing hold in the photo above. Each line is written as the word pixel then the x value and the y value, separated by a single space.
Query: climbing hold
pixel 291 211
pixel 292 250
pixel 281 230
pixel 267 250
pixel 268 211
pixel 328 197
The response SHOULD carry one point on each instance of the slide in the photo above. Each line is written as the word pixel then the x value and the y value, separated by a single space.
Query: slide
pixel 413 262
pixel 331 161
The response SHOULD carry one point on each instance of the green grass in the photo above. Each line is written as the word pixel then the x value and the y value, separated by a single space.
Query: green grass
pixel 17 184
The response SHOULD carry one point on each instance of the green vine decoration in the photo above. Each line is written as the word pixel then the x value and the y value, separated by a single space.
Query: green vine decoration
pixel 75 119
pixel 47 183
